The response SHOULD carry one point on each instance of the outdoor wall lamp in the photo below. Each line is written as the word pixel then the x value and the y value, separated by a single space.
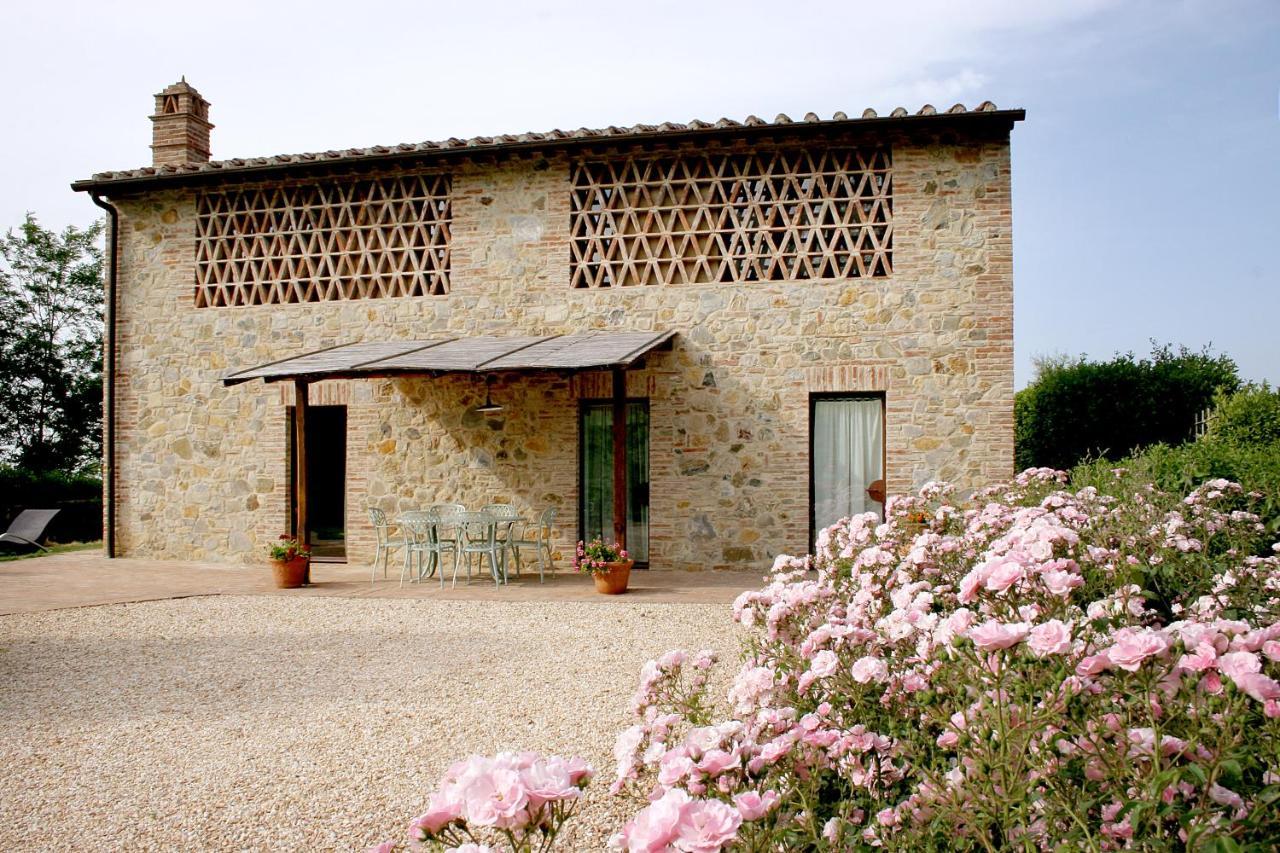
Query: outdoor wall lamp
pixel 489 406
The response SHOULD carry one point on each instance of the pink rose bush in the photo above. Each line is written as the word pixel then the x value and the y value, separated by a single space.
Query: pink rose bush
pixel 1037 667
pixel 512 801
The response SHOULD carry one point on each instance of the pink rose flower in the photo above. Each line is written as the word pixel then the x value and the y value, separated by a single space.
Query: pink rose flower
pixel 753 806
pixel 1204 657
pixel 1271 648
pixel 1050 638
pixel 960 621
pixel 1258 686
pixel 1060 582
pixel 673 659
pixel 624 749
pixel 993 635
pixel 654 829
pixel 948 739
pixel 1235 664
pixel 443 808
pixel 547 781
pixel 384 847
pixel 496 798
pixel 1211 683
pixel 824 663
pixel 580 772
pixel 869 668
pixel 914 682
pixel 717 761
pixel 707 826
pixel 1133 646
pixel 776 748
pixel 674 767
pixel 1004 574
pixel 970 584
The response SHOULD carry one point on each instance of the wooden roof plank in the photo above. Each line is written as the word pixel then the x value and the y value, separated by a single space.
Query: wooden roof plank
pixel 478 354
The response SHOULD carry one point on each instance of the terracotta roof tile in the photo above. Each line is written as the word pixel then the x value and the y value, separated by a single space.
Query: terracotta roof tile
pixel 510 140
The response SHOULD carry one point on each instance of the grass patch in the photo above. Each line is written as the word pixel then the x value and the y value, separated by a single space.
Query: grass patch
pixel 53 549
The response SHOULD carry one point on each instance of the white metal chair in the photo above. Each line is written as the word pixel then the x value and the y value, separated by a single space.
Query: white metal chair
pixel 417 530
pixel 509 520
pixel 443 537
pixel 478 535
pixel 540 541
pixel 386 543
pixel 444 512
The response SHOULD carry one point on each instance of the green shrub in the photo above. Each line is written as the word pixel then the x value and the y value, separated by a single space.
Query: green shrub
pixel 1180 469
pixel 1249 416
pixel 1077 409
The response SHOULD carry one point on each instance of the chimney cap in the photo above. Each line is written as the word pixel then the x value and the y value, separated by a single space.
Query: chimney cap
pixel 182 87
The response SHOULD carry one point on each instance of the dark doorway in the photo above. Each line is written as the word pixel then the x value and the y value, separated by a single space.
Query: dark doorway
pixel 326 480
pixel 595 475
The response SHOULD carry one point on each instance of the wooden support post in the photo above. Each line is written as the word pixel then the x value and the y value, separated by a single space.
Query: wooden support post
pixel 620 456
pixel 300 406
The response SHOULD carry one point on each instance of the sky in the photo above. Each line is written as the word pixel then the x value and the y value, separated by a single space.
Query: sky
pixel 1146 178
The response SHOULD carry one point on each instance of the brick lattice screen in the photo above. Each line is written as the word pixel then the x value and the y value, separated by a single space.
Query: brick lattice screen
pixel 732 217
pixel 339 239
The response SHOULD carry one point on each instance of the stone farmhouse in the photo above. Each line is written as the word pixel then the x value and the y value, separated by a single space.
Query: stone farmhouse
pixel 708 339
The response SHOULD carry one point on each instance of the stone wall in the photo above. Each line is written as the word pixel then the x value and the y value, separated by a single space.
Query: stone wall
pixel 203 468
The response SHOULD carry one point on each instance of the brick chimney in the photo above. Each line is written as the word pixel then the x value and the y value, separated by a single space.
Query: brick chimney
pixel 180 133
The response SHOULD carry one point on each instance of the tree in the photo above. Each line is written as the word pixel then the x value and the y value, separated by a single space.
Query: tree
pixel 1076 409
pixel 51 347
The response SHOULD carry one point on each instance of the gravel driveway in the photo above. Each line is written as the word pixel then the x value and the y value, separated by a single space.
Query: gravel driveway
pixel 254 723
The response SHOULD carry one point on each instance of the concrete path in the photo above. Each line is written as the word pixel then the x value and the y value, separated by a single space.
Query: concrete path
pixel 86 578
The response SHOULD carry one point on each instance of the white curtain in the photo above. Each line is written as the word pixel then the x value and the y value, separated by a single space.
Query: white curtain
pixel 848 456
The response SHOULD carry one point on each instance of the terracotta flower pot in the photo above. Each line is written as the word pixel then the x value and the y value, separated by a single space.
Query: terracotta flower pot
pixel 290 574
pixel 614 581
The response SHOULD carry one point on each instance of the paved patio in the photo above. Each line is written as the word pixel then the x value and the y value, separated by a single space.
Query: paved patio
pixel 86 578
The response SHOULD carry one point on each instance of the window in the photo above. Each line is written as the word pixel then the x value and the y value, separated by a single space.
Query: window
pixel 693 218
pixel 339 239
pixel 596 474
pixel 847 457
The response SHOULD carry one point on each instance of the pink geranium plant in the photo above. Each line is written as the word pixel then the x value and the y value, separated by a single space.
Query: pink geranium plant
pixel 287 548
pixel 595 557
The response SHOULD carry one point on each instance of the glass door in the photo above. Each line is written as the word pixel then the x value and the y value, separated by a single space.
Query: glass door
pixel 846 456
pixel 595 473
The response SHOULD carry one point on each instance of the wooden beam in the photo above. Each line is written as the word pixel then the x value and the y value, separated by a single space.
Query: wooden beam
pixel 620 456
pixel 300 407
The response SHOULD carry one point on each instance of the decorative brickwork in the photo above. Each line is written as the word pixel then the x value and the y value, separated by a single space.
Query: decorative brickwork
pixel 323 241
pixel 701 218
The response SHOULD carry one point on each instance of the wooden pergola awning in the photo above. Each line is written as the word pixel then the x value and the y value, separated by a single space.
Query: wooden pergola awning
pixel 613 351
pixel 480 354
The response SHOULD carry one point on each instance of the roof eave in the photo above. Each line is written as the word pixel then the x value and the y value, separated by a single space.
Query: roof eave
pixel 1004 119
